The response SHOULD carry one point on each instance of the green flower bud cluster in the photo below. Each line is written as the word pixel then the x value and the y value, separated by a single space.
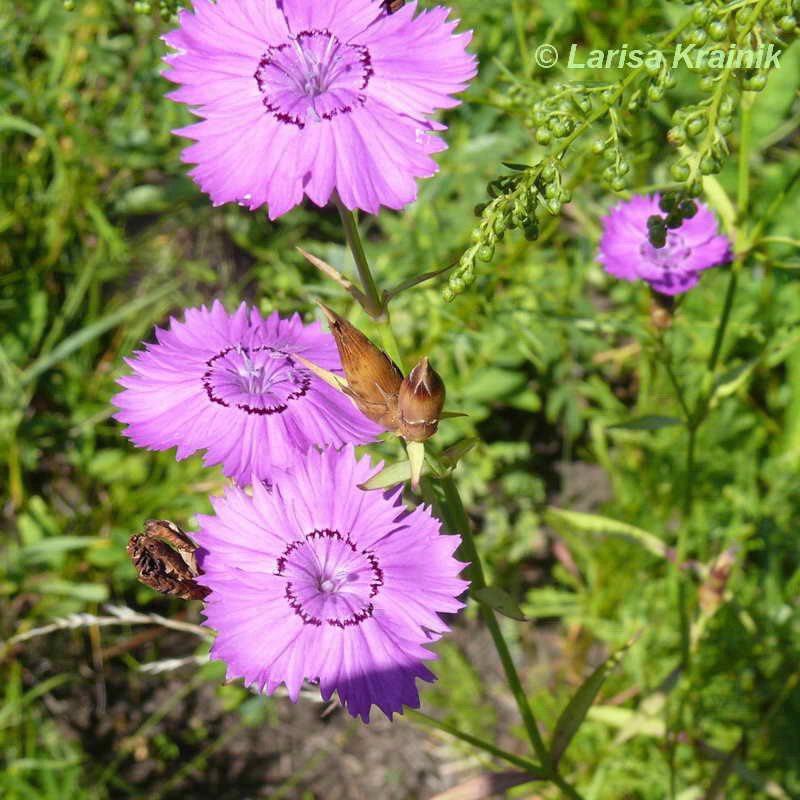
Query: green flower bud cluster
pixel 676 208
pixel 515 200
pixel 556 115
pixel 657 79
pixel 615 174
pixel 700 130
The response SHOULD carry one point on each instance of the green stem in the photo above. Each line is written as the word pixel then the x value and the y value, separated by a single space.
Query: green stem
pixel 462 526
pixel 522 763
pixel 723 320
pixel 457 520
pixel 745 142
pixel 374 306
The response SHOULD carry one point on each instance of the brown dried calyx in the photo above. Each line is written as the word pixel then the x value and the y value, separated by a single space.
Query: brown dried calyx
pixel 409 406
pixel 420 402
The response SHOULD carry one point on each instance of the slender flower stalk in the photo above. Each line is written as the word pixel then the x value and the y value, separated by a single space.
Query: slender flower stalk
pixel 458 522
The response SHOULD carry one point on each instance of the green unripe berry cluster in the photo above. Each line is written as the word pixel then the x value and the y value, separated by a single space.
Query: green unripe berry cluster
pixel 515 201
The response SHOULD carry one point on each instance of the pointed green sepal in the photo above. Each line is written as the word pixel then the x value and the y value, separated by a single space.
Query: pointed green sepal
pixel 416 458
pixel 331 378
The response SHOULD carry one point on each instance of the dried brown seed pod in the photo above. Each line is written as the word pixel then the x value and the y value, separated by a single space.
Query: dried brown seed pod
pixel 420 402
pixel 373 378
pixel 159 566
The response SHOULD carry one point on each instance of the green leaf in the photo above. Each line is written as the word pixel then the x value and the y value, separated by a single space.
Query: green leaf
pixel 593 523
pixel 577 708
pixel 58 544
pixel 90 592
pixel 649 422
pixel 72 343
pixel 391 476
pixel 501 601
pixel 493 384
pixel 518 167
pixel 456 452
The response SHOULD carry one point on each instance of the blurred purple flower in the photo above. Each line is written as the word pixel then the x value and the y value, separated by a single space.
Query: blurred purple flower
pixel 315 579
pixel 626 252
pixel 305 96
pixel 227 383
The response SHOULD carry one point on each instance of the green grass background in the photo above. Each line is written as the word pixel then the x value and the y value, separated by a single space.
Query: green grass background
pixel 102 236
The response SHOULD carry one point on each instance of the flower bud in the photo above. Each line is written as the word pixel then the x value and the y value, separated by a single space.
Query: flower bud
pixel 420 402
pixel 373 378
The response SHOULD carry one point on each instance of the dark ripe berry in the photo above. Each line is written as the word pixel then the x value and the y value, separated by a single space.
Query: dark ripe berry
pixel 531 232
pixel 687 208
pixel 657 238
pixel 673 220
pixel 479 209
pixel 492 189
pixel 696 125
pixel 717 30
pixel 676 135
pixel 679 172
pixel 655 222
pixel 667 202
